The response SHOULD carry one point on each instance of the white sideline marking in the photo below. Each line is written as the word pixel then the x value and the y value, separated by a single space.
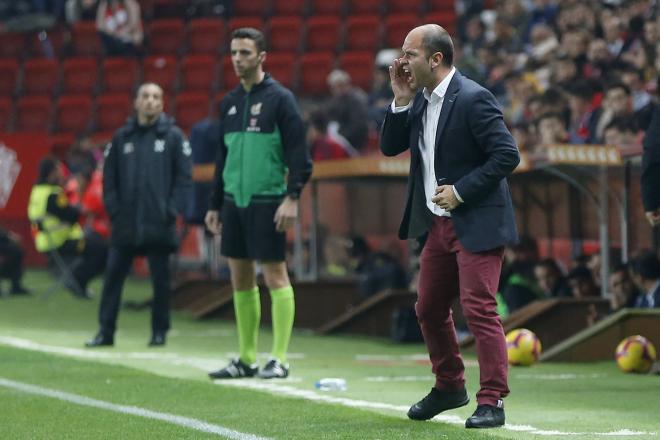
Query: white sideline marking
pixel 186 422
pixel 406 358
pixel 279 389
pixel 400 379
pixel 563 376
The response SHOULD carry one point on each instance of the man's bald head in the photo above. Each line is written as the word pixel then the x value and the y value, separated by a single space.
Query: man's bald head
pixel 436 39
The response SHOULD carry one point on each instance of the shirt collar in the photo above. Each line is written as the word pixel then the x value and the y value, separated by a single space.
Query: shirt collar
pixel 653 289
pixel 441 89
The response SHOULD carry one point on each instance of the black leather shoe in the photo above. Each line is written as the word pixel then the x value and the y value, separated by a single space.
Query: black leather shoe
pixel 157 340
pixel 486 416
pixel 100 340
pixel 436 402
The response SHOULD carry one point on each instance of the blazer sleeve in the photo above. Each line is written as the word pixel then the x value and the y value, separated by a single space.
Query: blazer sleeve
pixel 651 164
pixel 486 123
pixel 395 133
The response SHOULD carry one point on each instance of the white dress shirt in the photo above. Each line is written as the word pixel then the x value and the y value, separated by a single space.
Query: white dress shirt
pixel 427 140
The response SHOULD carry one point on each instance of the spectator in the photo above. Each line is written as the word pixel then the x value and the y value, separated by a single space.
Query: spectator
pixel 617 102
pixel 646 275
pixel 550 279
pixel 551 129
pixel 517 284
pixel 376 271
pixel 621 132
pixel 347 110
pixel 623 292
pixel 77 10
pixel 381 94
pixel 11 262
pixel 581 283
pixel 322 145
pixel 580 95
pixel 120 27
pixel 642 104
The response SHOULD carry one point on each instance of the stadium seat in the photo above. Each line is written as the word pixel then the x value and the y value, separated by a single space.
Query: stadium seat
pixel 161 70
pixel 33 114
pixel 40 76
pixel 165 36
pixel 5 114
pixel 441 5
pixel 282 67
pixel 289 7
pixel 404 6
pixel 207 36
pixel 446 19
pixel 112 110
pixel 241 22
pixel 362 33
pixel 47 44
pixel 284 34
pixel 79 75
pixel 190 109
pixel 12 45
pixel 229 78
pixel 364 6
pixel 198 73
pixel 119 75
pixel 360 65
pixel 322 33
pixel 314 70
pixel 8 76
pixel 73 114
pixel 255 8
pixel 330 7
pixel 397 27
pixel 85 39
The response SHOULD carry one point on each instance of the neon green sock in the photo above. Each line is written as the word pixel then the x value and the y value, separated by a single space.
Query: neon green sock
pixel 283 310
pixel 247 307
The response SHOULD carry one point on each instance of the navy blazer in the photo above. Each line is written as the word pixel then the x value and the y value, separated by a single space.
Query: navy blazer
pixel 642 301
pixel 474 152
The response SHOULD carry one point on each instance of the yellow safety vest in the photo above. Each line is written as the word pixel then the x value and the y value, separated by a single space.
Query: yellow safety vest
pixel 50 231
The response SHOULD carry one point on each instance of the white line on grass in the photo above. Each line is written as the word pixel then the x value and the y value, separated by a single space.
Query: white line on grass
pixel 280 389
pixel 186 422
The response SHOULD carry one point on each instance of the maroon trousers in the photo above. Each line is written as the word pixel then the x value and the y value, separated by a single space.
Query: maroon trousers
pixel 448 270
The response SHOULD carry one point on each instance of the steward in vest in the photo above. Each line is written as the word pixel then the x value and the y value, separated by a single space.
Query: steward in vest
pixel 55 227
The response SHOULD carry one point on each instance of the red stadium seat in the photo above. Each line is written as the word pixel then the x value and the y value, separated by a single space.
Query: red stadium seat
pixel 360 65
pixel 206 35
pixel 119 75
pixel 364 6
pixel 8 77
pixel 322 33
pixel 441 5
pixel 314 70
pixel 161 70
pixel 289 7
pixel 404 6
pixel 217 99
pixel 229 78
pixel 241 22
pixel 362 33
pixel 330 7
pixel 191 108
pixel 85 39
pixel 12 45
pixel 255 8
pixel 397 27
pixel 165 36
pixel 73 114
pixel 285 34
pixel 198 72
pixel 446 19
pixel 5 114
pixel 282 67
pixel 40 76
pixel 33 114
pixel 112 110
pixel 79 75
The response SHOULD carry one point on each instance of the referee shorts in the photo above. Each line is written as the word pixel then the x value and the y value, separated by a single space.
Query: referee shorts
pixel 249 233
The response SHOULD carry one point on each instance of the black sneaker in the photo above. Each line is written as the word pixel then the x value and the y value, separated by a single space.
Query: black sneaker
pixel 274 369
pixel 235 370
pixel 486 416
pixel 436 402
pixel 100 340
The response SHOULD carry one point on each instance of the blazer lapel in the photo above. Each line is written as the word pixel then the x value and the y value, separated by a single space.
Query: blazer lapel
pixel 447 105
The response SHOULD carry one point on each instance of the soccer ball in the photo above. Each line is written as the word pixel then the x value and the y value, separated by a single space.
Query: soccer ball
pixel 522 347
pixel 635 354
